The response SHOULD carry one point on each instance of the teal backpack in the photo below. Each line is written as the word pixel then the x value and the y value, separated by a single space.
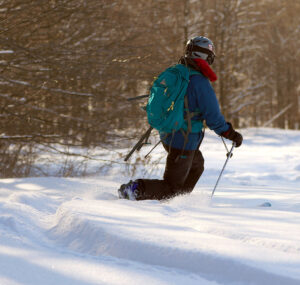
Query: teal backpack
pixel 167 107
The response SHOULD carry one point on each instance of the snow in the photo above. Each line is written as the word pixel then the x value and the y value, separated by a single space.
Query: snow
pixel 75 230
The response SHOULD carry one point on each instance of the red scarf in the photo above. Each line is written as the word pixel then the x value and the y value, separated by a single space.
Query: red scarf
pixel 205 69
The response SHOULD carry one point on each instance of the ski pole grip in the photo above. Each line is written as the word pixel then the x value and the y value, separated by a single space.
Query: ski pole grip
pixel 228 153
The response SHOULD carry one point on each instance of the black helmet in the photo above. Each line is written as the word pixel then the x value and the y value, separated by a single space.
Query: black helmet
pixel 200 47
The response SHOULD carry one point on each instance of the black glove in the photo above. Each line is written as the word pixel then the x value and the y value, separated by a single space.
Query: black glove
pixel 232 135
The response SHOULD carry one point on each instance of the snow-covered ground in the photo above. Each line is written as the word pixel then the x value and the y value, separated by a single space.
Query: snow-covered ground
pixel 76 231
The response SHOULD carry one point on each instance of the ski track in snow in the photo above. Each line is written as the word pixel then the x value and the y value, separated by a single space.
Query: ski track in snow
pixel 89 237
pixel 76 231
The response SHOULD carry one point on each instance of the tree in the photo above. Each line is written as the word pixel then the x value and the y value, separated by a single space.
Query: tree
pixel 67 67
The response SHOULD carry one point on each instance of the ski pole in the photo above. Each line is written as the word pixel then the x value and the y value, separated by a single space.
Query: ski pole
pixel 152 149
pixel 226 147
pixel 137 97
pixel 229 154
pixel 139 144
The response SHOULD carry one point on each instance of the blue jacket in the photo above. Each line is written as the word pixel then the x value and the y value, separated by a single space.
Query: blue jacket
pixel 201 99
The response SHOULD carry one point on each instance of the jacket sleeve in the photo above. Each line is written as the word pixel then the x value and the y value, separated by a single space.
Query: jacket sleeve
pixel 208 105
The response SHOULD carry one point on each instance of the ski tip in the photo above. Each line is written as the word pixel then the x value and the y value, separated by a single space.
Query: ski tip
pixel 266 204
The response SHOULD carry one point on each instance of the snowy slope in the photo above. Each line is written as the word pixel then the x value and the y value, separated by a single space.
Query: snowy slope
pixel 76 231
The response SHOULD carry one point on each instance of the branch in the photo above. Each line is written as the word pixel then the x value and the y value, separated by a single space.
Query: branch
pixel 277 115
pixel 24 83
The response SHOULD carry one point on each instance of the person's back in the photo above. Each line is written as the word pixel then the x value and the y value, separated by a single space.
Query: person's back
pixel 202 101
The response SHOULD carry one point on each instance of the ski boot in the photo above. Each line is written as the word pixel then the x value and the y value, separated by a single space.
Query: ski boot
pixel 129 191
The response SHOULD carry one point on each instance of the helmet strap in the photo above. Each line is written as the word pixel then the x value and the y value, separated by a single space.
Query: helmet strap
pixel 210 58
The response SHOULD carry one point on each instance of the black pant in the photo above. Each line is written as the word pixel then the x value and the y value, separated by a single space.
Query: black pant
pixel 183 170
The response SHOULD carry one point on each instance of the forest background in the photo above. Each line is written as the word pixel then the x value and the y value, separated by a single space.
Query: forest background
pixel 67 68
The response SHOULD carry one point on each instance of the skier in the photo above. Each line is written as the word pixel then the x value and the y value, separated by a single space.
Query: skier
pixel 185 163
